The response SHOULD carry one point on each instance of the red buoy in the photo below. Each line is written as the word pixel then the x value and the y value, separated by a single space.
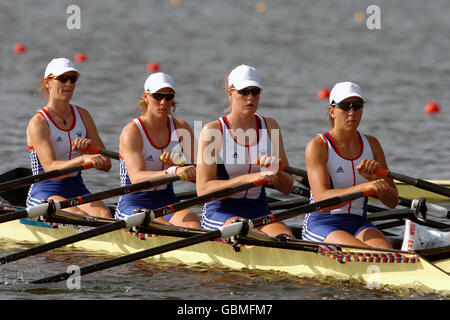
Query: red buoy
pixel 80 57
pixel 323 94
pixel 152 66
pixel 19 48
pixel 432 107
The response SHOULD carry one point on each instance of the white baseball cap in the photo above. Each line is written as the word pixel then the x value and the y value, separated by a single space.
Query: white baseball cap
pixel 244 76
pixel 157 81
pixel 59 66
pixel 344 90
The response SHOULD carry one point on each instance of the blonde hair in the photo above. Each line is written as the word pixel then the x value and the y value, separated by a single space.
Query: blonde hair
pixel 44 93
pixel 142 105
pixel 224 88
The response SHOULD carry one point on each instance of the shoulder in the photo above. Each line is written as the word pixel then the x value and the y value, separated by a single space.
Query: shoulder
pixel 271 123
pixel 374 143
pixel 181 124
pixel 84 113
pixel 131 133
pixel 212 125
pixel 130 128
pixel 316 145
pixel 38 120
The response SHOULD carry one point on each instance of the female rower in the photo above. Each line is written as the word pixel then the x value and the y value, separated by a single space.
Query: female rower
pixel 343 161
pixel 57 135
pixel 148 144
pixel 228 148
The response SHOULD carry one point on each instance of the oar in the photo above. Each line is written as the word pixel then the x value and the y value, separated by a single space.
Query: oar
pixel 142 217
pixel 431 209
pixel 106 153
pixel 234 229
pixel 51 206
pixel 25 181
pixel 419 183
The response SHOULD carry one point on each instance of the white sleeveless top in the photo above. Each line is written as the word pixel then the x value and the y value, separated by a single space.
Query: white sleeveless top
pixel 237 159
pixel 60 139
pixel 343 173
pixel 151 153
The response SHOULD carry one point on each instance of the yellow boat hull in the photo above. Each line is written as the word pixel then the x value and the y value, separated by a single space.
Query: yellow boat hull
pixel 414 272
pixel 411 192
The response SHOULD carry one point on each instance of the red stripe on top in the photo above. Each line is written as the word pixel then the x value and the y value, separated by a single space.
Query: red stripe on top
pixel 249 168
pixel 148 136
pixel 354 183
pixel 243 145
pixel 54 123
pixel 337 151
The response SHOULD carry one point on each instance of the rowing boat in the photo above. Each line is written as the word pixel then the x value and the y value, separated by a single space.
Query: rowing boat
pixel 409 191
pixel 426 270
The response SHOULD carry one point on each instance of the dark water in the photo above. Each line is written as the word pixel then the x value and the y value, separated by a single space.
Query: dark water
pixel 299 47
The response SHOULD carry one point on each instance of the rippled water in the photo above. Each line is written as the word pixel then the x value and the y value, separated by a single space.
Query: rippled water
pixel 298 47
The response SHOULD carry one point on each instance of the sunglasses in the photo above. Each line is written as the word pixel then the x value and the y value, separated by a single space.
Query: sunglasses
pixel 247 91
pixel 346 106
pixel 159 96
pixel 64 78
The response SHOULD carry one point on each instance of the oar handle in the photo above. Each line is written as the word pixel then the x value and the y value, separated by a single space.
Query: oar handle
pixel 117 191
pixel 107 153
pixel 288 169
pixel 326 203
pixel 25 181
pixel 419 183
pixel 217 195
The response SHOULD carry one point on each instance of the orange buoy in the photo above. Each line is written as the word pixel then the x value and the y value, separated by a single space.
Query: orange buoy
pixel 323 94
pixel 432 107
pixel 152 66
pixel 20 48
pixel 80 57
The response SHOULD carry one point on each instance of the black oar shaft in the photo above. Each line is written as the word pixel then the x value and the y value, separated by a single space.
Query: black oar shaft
pixel 258 222
pixel 25 181
pixel 131 221
pixel 202 199
pixel 64 241
pixel 110 154
pixel 225 231
pixel 116 192
pixel 135 256
pixel 107 153
pixel 42 209
pixel 419 183
pixel 13 216
pixel 422 184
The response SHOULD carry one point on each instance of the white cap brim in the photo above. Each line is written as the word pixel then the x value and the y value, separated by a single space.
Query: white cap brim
pixel 344 90
pixel 153 89
pixel 247 83
pixel 60 72
pixel 157 81
pixel 338 98
pixel 59 66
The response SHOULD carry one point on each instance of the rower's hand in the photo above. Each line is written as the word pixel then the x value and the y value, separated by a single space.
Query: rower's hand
pixel 266 177
pixel 268 163
pixel 188 172
pixel 381 187
pixel 100 162
pixel 80 145
pixel 366 168
pixel 171 159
